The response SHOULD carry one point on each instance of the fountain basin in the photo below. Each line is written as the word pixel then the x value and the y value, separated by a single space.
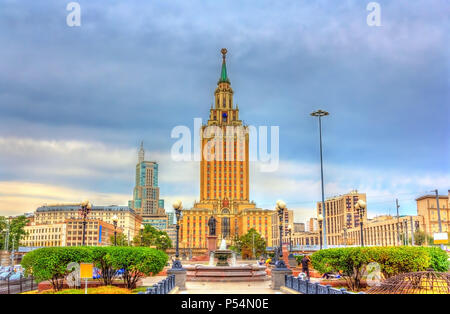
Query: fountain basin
pixel 226 273
pixel 222 257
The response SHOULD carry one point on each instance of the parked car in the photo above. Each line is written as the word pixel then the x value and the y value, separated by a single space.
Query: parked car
pixel 16 276
pixel 6 275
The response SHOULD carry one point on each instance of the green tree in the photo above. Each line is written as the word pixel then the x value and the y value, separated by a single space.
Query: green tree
pixel 16 229
pixel 152 237
pixel 251 244
pixel 137 262
pixel 121 239
pixel 3 226
pixel 420 237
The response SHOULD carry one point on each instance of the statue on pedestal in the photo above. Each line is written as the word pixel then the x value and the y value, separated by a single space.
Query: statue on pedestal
pixel 212 226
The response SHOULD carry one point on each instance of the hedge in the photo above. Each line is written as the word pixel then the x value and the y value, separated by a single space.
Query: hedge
pixel 137 262
pixel 352 261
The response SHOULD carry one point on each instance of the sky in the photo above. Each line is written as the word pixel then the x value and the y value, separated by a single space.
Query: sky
pixel 75 102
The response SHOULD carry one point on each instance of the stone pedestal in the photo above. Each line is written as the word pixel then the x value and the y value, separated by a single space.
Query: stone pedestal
pixel 278 277
pixel 180 277
pixel 212 243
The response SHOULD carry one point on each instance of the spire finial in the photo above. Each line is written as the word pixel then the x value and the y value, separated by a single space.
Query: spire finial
pixel 223 74
pixel 141 154
pixel 224 52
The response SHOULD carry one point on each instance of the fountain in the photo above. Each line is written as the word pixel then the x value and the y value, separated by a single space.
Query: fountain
pixel 223 271
pixel 222 254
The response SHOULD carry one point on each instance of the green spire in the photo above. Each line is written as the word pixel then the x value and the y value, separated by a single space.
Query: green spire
pixel 223 74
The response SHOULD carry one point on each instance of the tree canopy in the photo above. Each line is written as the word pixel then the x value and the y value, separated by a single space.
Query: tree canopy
pixel 250 245
pixel 16 231
pixel 152 237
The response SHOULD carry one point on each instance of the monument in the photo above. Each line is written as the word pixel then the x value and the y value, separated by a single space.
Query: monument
pixel 212 237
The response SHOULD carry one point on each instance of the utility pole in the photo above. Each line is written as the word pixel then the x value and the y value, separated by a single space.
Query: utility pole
pixel 398 222
pixel 439 214
pixel 253 238
pixel 412 231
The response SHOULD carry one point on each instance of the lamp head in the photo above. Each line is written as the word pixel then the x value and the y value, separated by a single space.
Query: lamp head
pixel 115 218
pixel 319 217
pixel 177 205
pixel 362 204
pixel 281 204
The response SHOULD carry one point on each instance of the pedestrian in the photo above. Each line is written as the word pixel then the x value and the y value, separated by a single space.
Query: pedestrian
pixel 305 265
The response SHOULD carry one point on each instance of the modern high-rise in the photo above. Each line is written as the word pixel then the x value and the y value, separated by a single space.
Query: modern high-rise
pixel 224 175
pixel 146 200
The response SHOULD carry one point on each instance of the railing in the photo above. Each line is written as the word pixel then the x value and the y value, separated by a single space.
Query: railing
pixel 307 287
pixel 17 286
pixel 163 287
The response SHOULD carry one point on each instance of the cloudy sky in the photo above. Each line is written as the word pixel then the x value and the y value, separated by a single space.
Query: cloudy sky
pixel 75 102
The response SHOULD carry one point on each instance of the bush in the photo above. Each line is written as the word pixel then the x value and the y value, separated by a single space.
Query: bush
pixel 352 261
pixel 439 259
pixel 137 262
pixel 51 263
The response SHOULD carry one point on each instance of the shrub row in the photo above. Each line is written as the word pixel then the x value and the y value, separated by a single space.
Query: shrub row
pixel 136 262
pixel 352 261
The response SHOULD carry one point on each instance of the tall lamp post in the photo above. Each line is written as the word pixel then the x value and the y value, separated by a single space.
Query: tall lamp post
pixel 290 239
pixel 85 209
pixel 439 214
pixel 320 221
pixel 321 113
pixel 177 206
pixel 115 220
pixel 360 207
pixel 280 211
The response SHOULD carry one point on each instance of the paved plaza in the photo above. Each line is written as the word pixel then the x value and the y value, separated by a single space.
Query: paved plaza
pixel 197 287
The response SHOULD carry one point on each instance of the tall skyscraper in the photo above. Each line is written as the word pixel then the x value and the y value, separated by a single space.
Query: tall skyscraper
pixel 224 175
pixel 146 191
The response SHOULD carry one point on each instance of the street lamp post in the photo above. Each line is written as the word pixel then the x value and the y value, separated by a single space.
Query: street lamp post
pixel 177 206
pixel 115 220
pixel 360 207
pixel 280 211
pixel 320 221
pixel 321 113
pixel 85 209
pixel 439 214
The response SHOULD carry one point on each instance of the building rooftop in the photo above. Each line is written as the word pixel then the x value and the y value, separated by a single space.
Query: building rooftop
pixel 76 207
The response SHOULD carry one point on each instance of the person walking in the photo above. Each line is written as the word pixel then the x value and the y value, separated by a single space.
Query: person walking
pixel 305 266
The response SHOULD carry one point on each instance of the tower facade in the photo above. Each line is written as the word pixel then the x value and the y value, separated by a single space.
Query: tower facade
pixel 146 191
pixel 224 176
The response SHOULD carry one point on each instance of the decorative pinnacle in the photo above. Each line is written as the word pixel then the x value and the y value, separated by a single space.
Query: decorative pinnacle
pixel 224 52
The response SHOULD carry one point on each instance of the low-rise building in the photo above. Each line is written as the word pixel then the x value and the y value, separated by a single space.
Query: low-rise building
pixel 427 208
pixel 128 221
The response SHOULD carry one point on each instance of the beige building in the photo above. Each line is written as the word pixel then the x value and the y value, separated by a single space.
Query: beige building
pixel 288 220
pixel 128 221
pixel 427 208
pixel 69 233
pixel 313 225
pixel 341 215
pixel 383 231
pixel 45 235
pixel 305 238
